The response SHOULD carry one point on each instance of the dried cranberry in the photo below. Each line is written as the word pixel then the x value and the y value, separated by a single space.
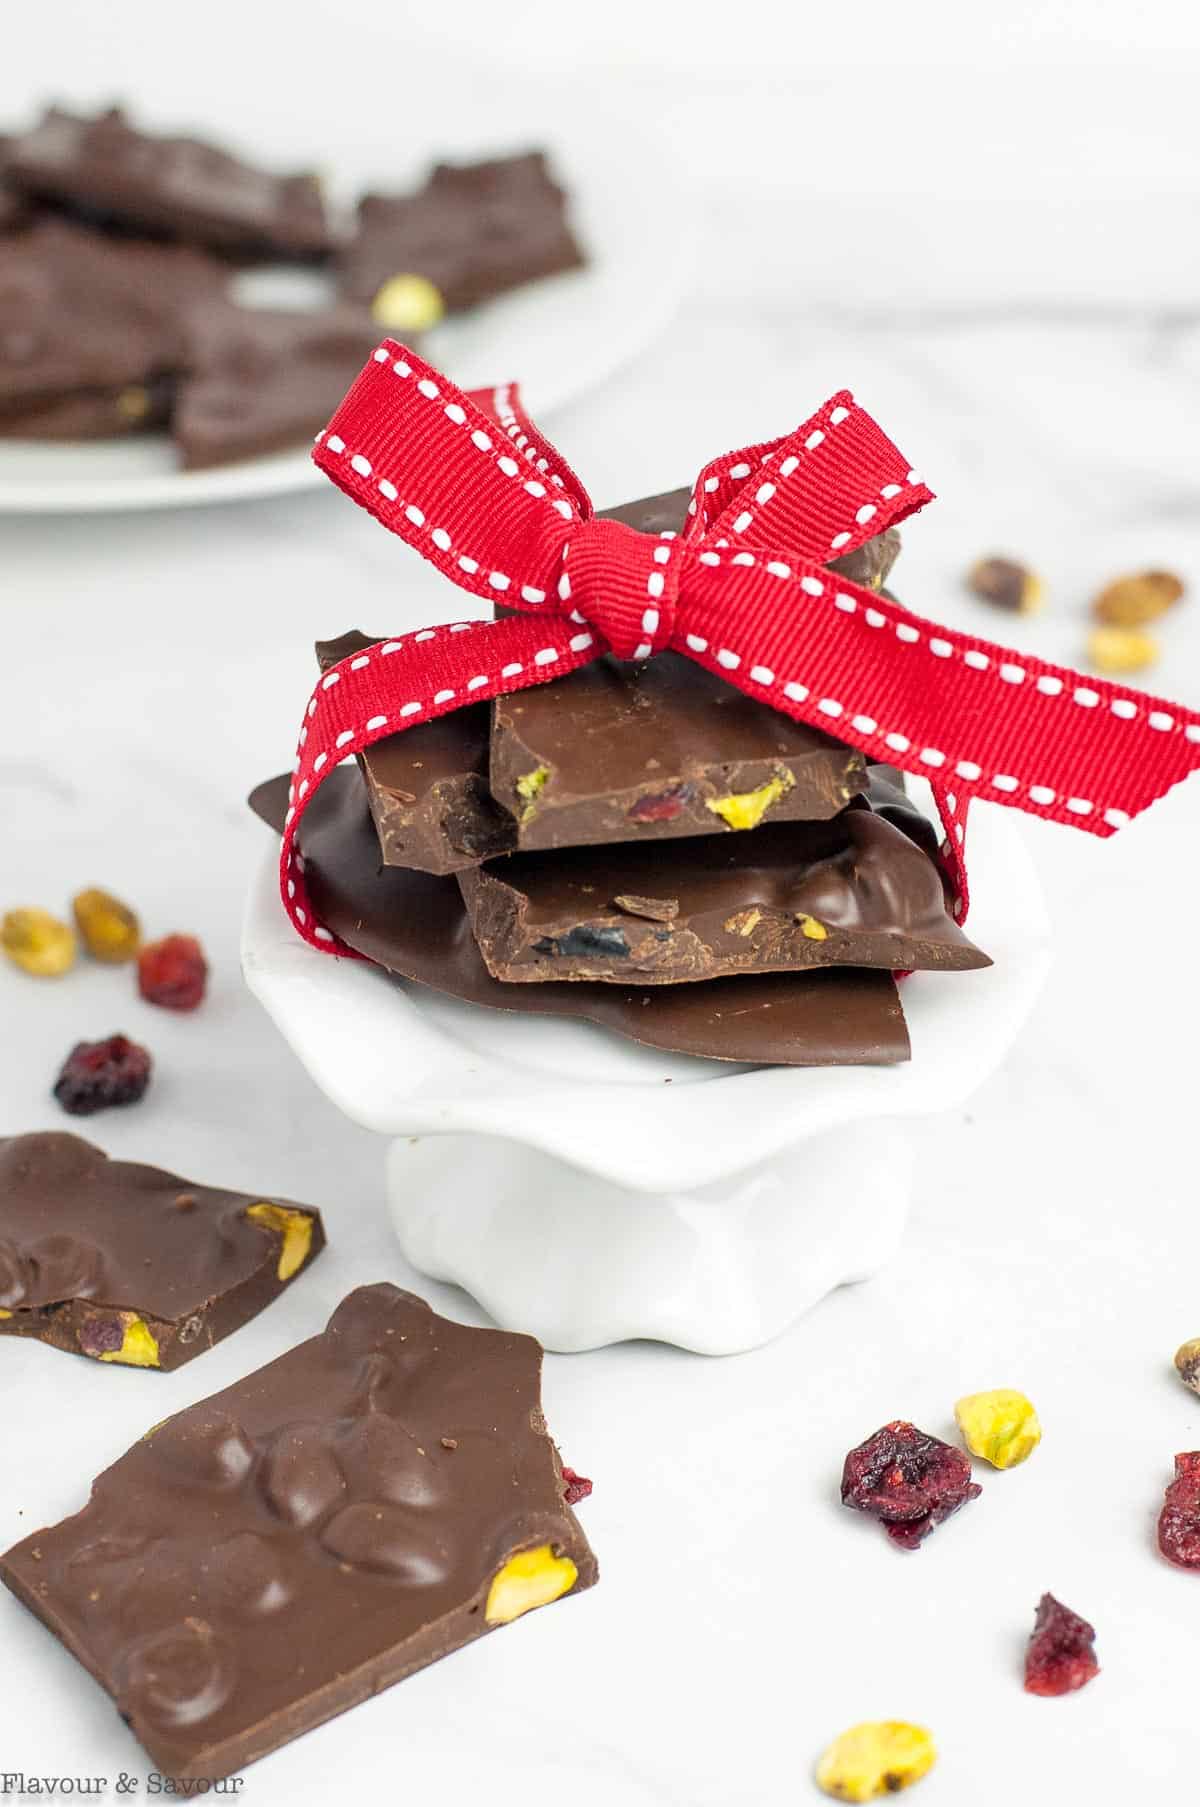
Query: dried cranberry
pixel 173 972
pixel 577 1486
pixel 661 806
pixel 97 1074
pixel 907 1480
pixel 1179 1522
pixel 1061 1656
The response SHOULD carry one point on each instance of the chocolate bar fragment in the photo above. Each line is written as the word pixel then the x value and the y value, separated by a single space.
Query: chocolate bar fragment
pixel 623 751
pixel 80 312
pixel 262 379
pixel 133 1265
pixel 416 927
pixel 852 892
pixel 114 175
pixel 14 209
pixel 473 231
pixel 93 413
pixel 428 787
pixel 378 1497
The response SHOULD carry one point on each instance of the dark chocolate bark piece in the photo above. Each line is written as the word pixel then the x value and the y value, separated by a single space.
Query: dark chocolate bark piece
pixel 113 174
pixel 81 312
pixel 473 231
pixel 381 1495
pixel 93 413
pixel 428 787
pixel 856 891
pixel 129 1264
pixel 416 927
pixel 262 379
pixel 623 751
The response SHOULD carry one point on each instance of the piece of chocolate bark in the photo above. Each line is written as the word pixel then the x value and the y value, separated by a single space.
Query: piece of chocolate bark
pixel 623 751
pixel 263 379
pixel 80 312
pixel 428 787
pixel 472 232
pixel 856 891
pixel 14 209
pixel 113 174
pixel 416 927
pixel 129 1264
pixel 378 1497
pixel 93 413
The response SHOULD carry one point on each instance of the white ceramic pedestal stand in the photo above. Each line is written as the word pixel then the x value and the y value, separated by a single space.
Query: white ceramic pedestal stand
pixel 550 1169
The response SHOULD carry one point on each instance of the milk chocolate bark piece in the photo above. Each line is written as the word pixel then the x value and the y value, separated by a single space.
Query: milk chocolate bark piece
pixel 81 312
pixel 852 892
pixel 260 380
pixel 107 170
pixel 624 751
pixel 428 787
pixel 416 927
pixel 130 1264
pixel 473 231
pixel 376 1498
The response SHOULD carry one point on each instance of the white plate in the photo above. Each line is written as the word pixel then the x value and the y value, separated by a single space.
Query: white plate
pixel 558 338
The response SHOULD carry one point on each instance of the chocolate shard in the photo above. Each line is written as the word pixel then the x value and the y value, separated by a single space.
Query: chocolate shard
pixel 93 413
pixel 263 379
pixel 428 787
pixel 624 751
pixel 81 312
pixel 381 1495
pixel 415 926
pixel 130 1264
pixel 114 174
pixel 857 891
pixel 473 231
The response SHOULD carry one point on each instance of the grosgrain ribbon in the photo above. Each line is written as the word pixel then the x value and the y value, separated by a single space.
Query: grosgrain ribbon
pixel 469 481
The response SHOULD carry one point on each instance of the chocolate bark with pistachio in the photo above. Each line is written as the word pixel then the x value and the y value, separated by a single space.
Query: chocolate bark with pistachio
pixel 132 1265
pixel 428 787
pixel 627 751
pixel 857 891
pixel 378 1497
pixel 110 172
pixel 415 926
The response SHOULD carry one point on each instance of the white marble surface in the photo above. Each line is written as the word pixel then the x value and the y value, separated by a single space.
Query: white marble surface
pixel 1043 369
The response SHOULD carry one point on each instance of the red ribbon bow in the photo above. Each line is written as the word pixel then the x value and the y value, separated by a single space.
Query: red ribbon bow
pixel 470 482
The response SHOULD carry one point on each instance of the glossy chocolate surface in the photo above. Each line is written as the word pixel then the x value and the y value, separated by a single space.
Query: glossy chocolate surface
pixel 88 1244
pixel 623 751
pixel 180 187
pixel 416 926
pixel 856 891
pixel 281 1551
pixel 428 787
pixel 474 230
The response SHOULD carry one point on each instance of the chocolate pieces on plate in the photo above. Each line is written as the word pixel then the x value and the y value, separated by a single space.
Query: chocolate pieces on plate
pixel 129 1264
pixel 378 1497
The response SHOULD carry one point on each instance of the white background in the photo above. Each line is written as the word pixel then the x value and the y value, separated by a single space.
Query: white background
pixel 984 221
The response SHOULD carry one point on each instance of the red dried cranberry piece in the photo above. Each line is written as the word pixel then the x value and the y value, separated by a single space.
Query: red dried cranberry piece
pixel 173 972
pixel 661 806
pixel 908 1480
pixel 577 1486
pixel 97 1074
pixel 1061 1656
pixel 1179 1522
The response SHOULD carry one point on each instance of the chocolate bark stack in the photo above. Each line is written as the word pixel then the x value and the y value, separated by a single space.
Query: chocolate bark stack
pixel 644 846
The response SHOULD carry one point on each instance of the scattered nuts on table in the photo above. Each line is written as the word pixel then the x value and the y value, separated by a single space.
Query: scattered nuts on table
pixel 1119 650
pixel 877 1758
pixel 1001 1426
pixel 1006 584
pixel 38 943
pixel 107 927
pixel 1187 1363
pixel 1140 597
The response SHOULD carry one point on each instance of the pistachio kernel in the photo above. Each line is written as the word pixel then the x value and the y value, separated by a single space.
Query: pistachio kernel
pixel 38 943
pixel 408 303
pixel 1006 584
pixel 531 1578
pixel 133 404
pixel 529 787
pixel 742 922
pixel 296 1228
pixel 1134 600
pixel 746 809
pixel 138 1348
pixel 811 929
pixel 1001 1426
pixel 107 927
pixel 877 1758
pixel 1187 1363
pixel 1121 649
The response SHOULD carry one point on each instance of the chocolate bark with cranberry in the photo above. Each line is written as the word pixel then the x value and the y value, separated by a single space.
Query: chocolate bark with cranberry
pixel 378 1497
pixel 428 787
pixel 416 927
pixel 473 231
pixel 111 173
pixel 857 891
pixel 130 1264
pixel 624 751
